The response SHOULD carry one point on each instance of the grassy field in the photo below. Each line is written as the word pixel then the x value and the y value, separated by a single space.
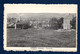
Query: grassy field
pixel 40 38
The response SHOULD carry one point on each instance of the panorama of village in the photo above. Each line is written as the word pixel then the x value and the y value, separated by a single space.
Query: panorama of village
pixel 41 30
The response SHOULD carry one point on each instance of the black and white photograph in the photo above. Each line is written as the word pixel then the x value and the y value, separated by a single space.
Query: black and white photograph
pixel 41 29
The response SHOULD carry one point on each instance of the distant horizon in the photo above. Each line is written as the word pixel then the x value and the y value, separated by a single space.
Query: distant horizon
pixel 40 15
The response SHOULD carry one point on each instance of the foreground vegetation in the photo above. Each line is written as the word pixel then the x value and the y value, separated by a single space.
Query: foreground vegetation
pixel 40 38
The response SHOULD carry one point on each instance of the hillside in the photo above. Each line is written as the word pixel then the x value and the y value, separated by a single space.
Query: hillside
pixel 39 16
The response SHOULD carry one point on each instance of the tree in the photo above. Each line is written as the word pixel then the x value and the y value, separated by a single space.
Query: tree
pixel 60 22
pixel 26 25
pixel 11 20
pixel 53 23
pixel 73 23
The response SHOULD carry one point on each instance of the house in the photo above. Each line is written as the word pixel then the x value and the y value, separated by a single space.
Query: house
pixel 66 22
pixel 22 25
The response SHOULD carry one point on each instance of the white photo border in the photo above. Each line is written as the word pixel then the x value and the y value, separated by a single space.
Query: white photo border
pixel 40 8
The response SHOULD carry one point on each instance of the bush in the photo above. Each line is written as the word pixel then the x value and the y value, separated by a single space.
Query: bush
pixel 25 26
